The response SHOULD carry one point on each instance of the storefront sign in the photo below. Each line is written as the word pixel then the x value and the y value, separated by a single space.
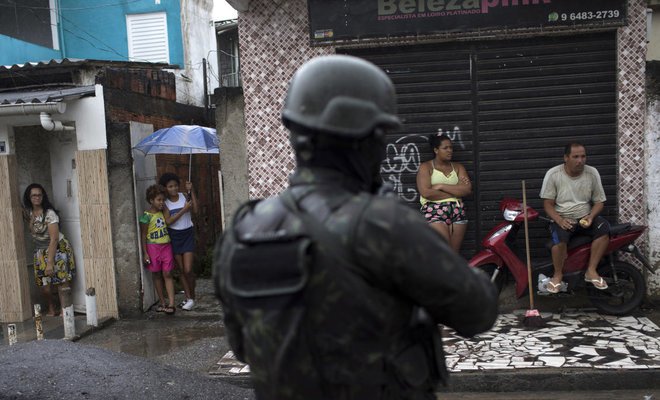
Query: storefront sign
pixel 332 20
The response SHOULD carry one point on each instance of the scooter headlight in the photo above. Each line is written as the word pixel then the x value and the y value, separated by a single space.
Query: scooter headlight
pixel 511 215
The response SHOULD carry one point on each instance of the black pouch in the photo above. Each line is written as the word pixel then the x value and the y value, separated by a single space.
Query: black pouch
pixel 273 264
pixel 423 362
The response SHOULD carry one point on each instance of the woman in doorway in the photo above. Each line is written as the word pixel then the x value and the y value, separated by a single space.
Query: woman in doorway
pixel 53 256
pixel 441 184
pixel 177 214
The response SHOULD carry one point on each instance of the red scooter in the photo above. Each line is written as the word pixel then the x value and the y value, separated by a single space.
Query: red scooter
pixel 626 284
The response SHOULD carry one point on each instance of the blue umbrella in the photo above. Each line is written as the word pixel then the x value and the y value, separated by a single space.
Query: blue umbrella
pixel 181 139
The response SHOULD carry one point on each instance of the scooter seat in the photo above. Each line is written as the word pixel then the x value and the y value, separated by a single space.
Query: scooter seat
pixel 619 228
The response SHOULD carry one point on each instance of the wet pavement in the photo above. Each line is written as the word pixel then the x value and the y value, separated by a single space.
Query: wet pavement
pixel 578 350
pixel 190 340
pixel 60 369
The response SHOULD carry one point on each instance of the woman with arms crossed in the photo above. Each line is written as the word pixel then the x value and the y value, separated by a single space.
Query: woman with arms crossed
pixel 441 184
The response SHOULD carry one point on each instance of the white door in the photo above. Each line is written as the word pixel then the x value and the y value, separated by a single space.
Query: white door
pixel 64 178
pixel 144 171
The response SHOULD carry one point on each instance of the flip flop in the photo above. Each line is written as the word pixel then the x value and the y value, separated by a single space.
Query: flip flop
pixel 553 288
pixel 599 283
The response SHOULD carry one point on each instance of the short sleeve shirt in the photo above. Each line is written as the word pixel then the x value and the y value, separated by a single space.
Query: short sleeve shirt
pixel 573 196
pixel 39 228
pixel 185 221
pixel 157 229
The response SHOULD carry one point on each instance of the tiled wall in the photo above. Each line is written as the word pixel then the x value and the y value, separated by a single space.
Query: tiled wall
pixel 632 114
pixel 274 41
pixel 653 188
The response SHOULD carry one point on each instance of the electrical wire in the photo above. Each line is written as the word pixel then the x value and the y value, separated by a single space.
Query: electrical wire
pixel 111 49
pixel 15 5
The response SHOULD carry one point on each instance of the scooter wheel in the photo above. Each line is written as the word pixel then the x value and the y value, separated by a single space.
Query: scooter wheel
pixel 623 295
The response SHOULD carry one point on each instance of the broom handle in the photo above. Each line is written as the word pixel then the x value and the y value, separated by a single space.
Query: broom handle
pixel 529 262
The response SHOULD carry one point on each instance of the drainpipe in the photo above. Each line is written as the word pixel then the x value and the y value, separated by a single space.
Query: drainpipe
pixel 48 124
pixel 32 108
pixel 43 109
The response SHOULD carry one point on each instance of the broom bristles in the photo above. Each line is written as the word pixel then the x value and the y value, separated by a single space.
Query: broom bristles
pixel 533 319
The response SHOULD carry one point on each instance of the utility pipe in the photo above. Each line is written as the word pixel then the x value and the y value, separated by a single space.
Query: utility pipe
pixel 90 307
pixel 49 124
pixel 11 333
pixel 37 322
pixel 67 312
pixel 32 108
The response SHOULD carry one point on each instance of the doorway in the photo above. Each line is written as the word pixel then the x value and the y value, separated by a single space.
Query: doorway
pixel 49 158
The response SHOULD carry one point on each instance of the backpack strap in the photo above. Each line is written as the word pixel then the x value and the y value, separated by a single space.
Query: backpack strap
pixel 318 231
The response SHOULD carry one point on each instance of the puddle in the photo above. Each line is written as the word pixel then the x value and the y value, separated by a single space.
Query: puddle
pixel 152 339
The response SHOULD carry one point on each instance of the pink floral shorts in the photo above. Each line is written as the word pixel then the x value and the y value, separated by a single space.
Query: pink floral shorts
pixel 449 212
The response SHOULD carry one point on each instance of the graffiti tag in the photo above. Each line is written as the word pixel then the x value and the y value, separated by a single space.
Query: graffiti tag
pixel 454 135
pixel 401 156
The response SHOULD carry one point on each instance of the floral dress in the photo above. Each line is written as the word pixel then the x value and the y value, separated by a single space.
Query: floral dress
pixel 64 264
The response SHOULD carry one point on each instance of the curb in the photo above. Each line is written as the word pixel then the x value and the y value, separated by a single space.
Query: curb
pixel 91 329
pixel 530 381
pixel 546 379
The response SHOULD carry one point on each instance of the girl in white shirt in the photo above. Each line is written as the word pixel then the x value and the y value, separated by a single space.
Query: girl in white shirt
pixel 180 226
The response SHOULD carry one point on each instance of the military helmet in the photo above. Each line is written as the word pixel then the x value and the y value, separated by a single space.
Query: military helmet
pixel 340 95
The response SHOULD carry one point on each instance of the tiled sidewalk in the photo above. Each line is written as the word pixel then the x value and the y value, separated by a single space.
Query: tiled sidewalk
pixel 572 339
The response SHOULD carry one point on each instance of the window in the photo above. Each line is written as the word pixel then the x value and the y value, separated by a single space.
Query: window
pixel 147 38
pixel 29 21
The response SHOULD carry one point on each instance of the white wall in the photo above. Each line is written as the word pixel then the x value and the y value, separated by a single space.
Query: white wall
pixel 198 43
pixel 653 191
pixel 89 116
pixel 653 47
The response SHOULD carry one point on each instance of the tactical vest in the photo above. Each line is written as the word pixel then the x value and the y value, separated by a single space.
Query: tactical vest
pixel 280 287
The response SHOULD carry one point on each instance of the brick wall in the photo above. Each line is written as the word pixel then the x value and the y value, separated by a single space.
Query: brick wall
pixel 152 83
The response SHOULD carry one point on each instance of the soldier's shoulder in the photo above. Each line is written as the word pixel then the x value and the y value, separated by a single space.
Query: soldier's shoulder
pixel 260 214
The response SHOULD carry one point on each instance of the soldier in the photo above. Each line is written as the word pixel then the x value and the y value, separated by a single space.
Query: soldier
pixel 331 291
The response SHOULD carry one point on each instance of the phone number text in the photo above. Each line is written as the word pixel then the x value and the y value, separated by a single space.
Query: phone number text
pixel 587 15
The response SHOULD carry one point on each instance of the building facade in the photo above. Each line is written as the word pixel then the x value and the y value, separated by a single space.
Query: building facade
pixel 178 33
pixel 73 132
pixel 510 93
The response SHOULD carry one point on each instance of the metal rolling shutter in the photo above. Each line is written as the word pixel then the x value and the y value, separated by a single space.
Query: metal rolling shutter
pixel 435 92
pixel 514 105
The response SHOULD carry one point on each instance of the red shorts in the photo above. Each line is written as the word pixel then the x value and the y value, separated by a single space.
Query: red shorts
pixel 161 257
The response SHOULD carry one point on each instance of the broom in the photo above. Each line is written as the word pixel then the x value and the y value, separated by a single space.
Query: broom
pixel 532 316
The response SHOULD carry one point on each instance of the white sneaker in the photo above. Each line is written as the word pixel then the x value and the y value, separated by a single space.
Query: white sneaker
pixel 189 305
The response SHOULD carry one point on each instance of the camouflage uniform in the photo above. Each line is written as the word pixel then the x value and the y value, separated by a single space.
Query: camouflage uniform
pixel 348 335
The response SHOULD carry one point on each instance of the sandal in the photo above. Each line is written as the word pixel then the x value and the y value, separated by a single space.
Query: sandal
pixel 599 283
pixel 169 310
pixel 553 288
pixel 160 308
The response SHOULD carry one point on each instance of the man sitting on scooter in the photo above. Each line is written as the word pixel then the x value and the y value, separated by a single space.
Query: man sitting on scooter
pixel 573 196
